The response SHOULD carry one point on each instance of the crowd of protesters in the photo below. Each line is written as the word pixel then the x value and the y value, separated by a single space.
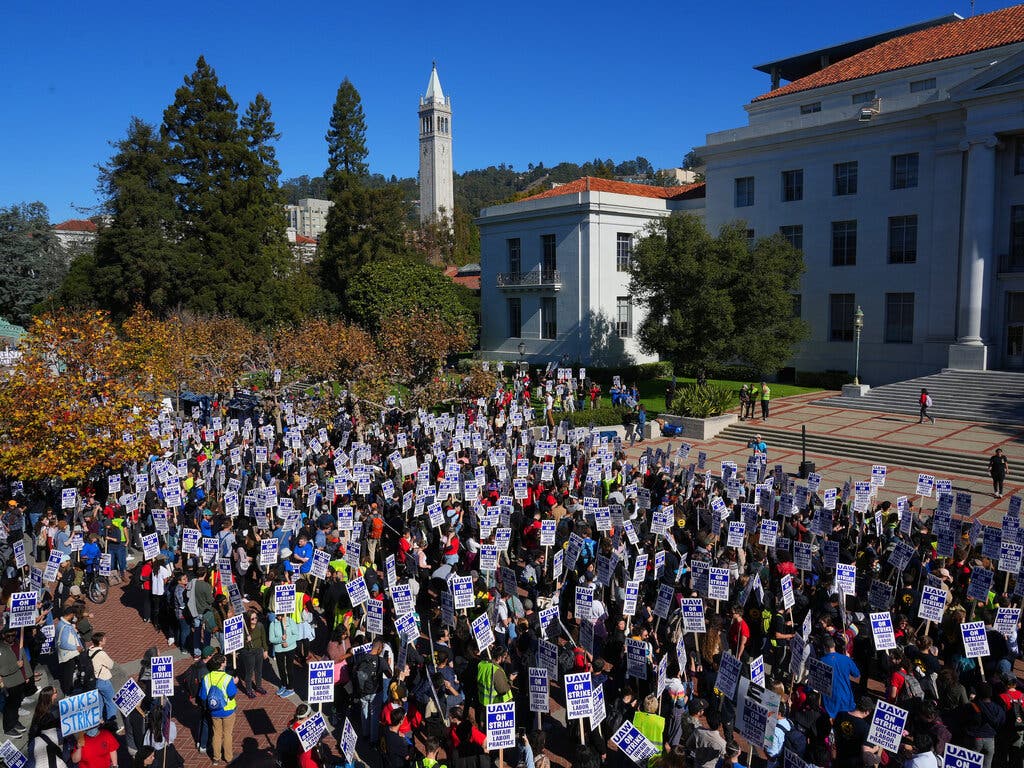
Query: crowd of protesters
pixel 536 514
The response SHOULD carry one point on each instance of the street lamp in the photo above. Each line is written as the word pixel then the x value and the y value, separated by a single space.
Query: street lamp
pixel 858 326
pixel 522 352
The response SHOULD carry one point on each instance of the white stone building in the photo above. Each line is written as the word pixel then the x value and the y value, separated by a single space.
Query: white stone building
pixel 309 217
pixel 437 190
pixel 553 270
pixel 896 163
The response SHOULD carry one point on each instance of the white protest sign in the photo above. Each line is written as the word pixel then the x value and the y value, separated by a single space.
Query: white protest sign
pixel 887 726
pixel 234 633
pixel 693 615
pixel 540 701
pixel 933 604
pixel 634 744
pixel 311 731
pixel 357 592
pixel 961 757
pixel 975 639
pixel 882 630
pixel 728 675
pixel 375 617
pixel 349 737
pixel 1006 621
pixel 129 697
pixel 284 599
pixel 482 632
pixel 718 583
pixel 23 609
pixel 80 713
pixel 501 725
pixel 11 757
pixel 320 682
pixel 578 695
pixel 161 681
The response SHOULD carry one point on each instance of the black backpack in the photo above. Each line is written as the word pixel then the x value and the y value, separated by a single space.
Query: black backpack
pixel 84 676
pixel 1015 717
pixel 795 740
pixel 366 675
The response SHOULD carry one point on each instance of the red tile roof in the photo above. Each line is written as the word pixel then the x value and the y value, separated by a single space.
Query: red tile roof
pixel 76 225
pixel 594 184
pixel 469 281
pixel 303 240
pixel 958 38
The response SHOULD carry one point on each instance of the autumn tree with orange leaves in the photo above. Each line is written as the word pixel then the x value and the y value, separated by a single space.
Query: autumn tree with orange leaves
pixel 79 396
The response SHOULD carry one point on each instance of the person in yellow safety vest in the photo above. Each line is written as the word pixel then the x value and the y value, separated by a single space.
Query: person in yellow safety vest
pixel 493 685
pixel 217 692
pixel 766 396
pixel 651 724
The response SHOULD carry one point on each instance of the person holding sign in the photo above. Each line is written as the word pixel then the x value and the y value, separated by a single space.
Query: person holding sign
pixel 493 685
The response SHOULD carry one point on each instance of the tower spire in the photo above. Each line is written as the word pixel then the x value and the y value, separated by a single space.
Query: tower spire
pixel 434 92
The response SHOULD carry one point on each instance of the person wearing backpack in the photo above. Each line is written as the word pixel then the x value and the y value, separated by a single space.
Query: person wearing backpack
pixel 904 687
pixel 368 673
pixel 1010 740
pixel 103 667
pixel 787 737
pixel 218 692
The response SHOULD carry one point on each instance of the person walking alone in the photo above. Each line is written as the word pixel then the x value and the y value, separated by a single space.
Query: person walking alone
pixel 766 396
pixel 925 401
pixel 997 468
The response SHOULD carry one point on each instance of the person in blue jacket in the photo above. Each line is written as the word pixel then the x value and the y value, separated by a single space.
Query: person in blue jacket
pixel 90 553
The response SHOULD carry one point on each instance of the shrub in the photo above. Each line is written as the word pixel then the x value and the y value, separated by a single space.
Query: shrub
pixel 629 374
pixel 703 402
pixel 823 379
pixel 602 417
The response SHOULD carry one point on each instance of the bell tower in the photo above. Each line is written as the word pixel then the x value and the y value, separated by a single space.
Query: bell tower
pixel 436 187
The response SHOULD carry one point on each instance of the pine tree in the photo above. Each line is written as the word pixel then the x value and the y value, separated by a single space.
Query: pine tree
pixel 363 224
pixel 231 225
pixel 137 262
pixel 346 140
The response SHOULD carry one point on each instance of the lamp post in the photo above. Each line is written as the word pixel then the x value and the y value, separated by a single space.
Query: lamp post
pixel 522 353
pixel 858 326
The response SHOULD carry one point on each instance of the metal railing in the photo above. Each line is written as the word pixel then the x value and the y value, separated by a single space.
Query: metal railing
pixel 534 278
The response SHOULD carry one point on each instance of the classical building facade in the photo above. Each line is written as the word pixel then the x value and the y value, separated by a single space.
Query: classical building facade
pixel 554 273
pixel 894 162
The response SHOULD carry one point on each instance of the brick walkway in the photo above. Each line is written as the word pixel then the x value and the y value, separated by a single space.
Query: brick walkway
pixel 792 413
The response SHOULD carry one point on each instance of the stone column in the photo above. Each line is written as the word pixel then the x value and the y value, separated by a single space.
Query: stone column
pixel 976 255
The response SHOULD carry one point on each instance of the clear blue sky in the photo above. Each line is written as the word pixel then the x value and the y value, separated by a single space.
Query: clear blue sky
pixel 529 81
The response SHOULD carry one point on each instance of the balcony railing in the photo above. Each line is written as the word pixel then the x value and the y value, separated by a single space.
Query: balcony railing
pixel 1011 262
pixel 547 278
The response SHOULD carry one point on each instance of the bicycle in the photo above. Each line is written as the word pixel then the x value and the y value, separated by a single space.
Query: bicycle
pixel 95 586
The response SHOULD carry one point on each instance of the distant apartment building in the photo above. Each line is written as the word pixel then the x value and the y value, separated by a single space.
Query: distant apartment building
pixel 309 217
pixel 75 235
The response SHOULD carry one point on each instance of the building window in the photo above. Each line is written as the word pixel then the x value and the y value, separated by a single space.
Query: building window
pixel 916 86
pixel 1018 156
pixel 515 256
pixel 798 305
pixel 810 109
pixel 794 233
pixel 1016 237
pixel 548 322
pixel 549 261
pixel 863 97
pixel 515 317
pixel 902 239
pixel 841 307
pixel 904 171
pixel 844 243
pixel 744 191
pixel 899 318
pixel 792 185
pixel 844 178
pixel 623 251
pixel 623 317
pixel 751 238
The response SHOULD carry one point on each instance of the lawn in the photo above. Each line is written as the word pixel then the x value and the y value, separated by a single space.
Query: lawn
pixel 652 391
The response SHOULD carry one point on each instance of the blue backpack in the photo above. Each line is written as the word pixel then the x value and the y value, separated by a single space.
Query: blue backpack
pixel 215 699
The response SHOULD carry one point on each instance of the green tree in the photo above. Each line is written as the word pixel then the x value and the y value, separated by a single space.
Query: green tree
pixel 32 264
pixel 697 290
pixel 231 226
pixel 346 140
pixel 387 288
pixel 136 261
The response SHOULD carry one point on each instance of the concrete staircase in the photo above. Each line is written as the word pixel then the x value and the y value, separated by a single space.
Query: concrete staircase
pixel 989 396
pixel 930 460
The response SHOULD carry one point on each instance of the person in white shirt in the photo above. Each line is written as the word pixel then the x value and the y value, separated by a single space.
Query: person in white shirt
pixel 917 751
pixel 103 668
